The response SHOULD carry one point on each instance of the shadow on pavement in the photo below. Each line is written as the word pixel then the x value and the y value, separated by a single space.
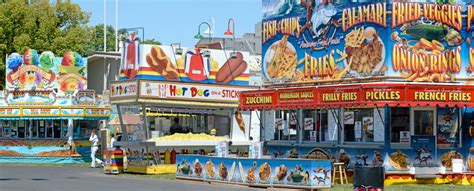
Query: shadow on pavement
pixel 38 179
pixel 7 179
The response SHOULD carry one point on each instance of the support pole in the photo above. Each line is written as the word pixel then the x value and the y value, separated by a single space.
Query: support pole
pixel 122 125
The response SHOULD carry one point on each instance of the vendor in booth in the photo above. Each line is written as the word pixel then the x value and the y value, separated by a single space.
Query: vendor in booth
pixel 176 127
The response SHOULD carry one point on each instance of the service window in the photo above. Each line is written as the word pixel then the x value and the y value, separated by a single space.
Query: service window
pixel 362 125
pixel 49 129
pixel 286 123
pixel 400 126
pixel 423 121
pixel 448 130
pixel 14 129
pixel 315 127
pixel 21 129
pixel 309 127
pixel 34 129
pixel 41 129
pixel 57 129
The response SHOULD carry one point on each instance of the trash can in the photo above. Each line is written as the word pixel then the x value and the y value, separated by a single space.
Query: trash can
pixel 113 161
pixel 368 178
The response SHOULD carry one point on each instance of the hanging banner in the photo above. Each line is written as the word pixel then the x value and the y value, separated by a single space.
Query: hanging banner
pixel 440 95
pixel 123 89
pixel 188 91
pixel 345 40
pixel 341 95
pixel 297 97
pixel 258 99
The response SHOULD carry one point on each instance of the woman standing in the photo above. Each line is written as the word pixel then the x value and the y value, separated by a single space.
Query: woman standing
pixel 94 147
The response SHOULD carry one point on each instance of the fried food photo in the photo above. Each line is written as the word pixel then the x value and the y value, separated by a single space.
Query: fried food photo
pixel 251 175
pixel 222 171
pixel 364 48
pixel 399 160
pixel 210 169
pixel 446 158
pixel 198 168
pixel 264 172
pixel 283 62
pixel 281 173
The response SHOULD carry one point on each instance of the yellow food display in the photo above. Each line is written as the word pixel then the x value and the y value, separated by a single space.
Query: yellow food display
pixel 188 137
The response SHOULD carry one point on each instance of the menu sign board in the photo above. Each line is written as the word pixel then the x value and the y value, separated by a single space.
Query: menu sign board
pixel 187 91
pixel 336 95
pixel 331 41
pixel 297 96
pixel 123 89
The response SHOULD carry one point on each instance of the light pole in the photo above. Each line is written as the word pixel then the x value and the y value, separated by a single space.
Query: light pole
pixel 199 36
pixel 228 32
pixel 209 31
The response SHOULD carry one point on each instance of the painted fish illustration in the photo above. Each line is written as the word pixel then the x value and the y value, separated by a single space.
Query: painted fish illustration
pixel 321 17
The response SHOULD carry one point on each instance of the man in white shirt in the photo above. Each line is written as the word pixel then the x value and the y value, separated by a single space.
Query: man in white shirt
pixel 112 140
pixel 94 147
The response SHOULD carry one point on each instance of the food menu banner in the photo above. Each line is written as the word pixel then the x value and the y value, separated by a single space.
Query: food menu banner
pixel 45 71
pixel 337 95
pixel 388 94
pixel 181 64
pixel 258 99
pixel 363 95
pixel 276 172
pixel 190 91
pixel 312 40
pixel 440 94
pixel 297 96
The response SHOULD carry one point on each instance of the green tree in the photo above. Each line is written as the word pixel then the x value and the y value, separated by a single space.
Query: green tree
pixel 151 41
pixel 57 26
pixel 97 41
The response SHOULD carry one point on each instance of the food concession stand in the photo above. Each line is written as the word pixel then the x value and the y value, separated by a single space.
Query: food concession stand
pixel 186 100
pixel 369 84
pixel 46 112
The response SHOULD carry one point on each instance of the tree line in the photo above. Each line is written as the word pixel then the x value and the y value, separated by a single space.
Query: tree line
pixel 57 26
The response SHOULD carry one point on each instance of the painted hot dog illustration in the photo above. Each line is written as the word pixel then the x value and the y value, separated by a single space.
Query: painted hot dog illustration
pixel 232 68
pixel 161 63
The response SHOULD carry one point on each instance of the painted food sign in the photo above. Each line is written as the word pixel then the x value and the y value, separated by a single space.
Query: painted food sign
pixel 188 91
pixel 315 41
pixel 168 63
pixel 32 71
pixel 276 172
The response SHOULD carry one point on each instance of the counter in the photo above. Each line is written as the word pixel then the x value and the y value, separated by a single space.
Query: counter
pixel 285 173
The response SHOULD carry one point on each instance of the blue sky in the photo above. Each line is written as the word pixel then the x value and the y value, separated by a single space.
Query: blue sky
pixel 176 21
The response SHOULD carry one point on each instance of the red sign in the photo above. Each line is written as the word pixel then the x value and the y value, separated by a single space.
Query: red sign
pixel 297 97
pixel 262 99
pixel 382 94
pixel 440 95
pixel 337 95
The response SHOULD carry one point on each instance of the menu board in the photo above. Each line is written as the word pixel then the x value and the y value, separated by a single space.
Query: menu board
pixel 345 40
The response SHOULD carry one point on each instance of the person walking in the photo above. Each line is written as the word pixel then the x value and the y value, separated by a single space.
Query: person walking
pixel 94 147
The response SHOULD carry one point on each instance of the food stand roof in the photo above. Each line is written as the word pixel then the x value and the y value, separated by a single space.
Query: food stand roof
pixel 357 95
pixel 128 119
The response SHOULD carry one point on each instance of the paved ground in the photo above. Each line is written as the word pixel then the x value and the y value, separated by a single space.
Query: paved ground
pixel 70 178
